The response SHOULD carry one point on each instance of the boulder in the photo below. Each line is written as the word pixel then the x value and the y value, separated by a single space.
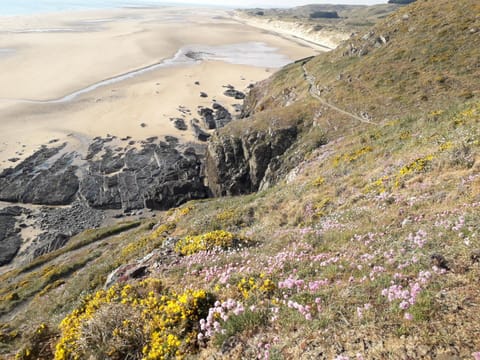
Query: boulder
pixel 234 94
pixel 206 114
pixel 198 132
pixel 56 242
pixel 221 116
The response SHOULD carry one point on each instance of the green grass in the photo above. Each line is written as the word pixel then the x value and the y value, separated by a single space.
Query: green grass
pixel 86 238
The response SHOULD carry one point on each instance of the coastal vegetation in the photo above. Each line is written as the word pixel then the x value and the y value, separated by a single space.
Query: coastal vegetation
pixel 358 240
pixel 345 18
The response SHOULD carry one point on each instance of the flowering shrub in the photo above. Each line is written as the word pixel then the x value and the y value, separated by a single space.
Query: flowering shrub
pixel 352 156
pixel 37 346
pixel 418 165
pixel 226 215
pixel 221 311
pixel 251 285
pixel 180 212
pixel 318 181
pixel 148 242
pixel 467 115
pixel 209 241
pixel 147 322
pixel 186 210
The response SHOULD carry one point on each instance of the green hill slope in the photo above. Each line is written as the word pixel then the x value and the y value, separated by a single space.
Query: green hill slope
pixel 363 241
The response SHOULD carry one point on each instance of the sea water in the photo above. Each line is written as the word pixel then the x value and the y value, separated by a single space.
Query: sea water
pixel 28 7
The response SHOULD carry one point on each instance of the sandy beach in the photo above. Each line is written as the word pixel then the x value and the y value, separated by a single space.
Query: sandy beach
pixel 125 72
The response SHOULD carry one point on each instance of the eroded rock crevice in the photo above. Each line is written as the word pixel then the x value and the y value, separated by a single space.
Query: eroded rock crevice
pixel 238 164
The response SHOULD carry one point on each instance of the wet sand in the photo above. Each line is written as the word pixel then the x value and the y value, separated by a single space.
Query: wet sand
pixel 125 72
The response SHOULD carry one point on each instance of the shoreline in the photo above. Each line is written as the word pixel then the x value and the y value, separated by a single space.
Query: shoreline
pixel 186 56
pixel 78 92
pixel 93 136
pixel 323 40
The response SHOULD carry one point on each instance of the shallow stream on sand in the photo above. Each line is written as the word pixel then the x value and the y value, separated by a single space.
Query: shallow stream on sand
pixel 250 53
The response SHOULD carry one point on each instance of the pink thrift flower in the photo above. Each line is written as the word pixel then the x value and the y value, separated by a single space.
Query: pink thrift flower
pixel 476 355
pixel 359 312
pixel 408 317
pixel 404 305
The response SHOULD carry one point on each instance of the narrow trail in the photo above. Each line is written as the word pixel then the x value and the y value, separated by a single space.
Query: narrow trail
pixel 315 92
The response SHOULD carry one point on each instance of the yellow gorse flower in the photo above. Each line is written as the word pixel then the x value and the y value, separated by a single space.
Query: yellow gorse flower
pixel 209 241
pixel 168 320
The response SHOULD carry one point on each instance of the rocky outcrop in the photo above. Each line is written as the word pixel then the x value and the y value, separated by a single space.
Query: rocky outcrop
pixel 179 124
pixel 215 118
pixel 236 94
pixel 153 174
pixel 10 241
pixel 366 43
pixel 198 132
pixel 46 178
pixel 238 164
pixel 206 114
pixel 59 224
pixel 157 261
pixel 113 174
pixel 156 176
pixel 221 116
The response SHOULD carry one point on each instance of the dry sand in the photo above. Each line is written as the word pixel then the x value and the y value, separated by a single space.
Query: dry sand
pixel 48 57
pixel 322 40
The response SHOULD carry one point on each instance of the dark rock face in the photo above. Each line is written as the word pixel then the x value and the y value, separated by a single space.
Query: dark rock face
pixel 234 94
pixel 222 116
pixel 58 225
pixel 238 165
pixel 58 241
pixel 111 175
pixel 215 118
pixel 43 178
pixel 157 176
pixel 198 132
pixel 179 124
pixel 206 114
pixel 10 241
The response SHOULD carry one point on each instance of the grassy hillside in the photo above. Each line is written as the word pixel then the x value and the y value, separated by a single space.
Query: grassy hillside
pixel 369 248
pixel 340 17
